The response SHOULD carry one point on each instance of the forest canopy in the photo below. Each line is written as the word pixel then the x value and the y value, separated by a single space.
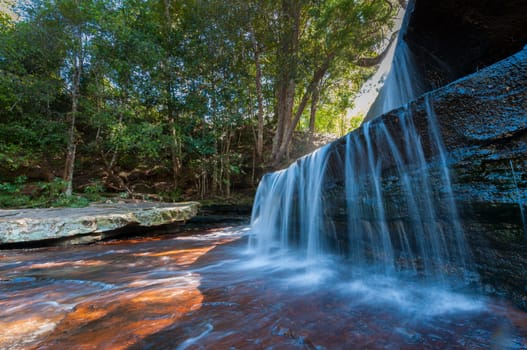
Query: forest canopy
pixel 187 98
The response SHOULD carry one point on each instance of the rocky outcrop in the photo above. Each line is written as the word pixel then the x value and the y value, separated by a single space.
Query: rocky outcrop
pixel 483 121
pixel 449 39
pixel 85 225
pixel 454 38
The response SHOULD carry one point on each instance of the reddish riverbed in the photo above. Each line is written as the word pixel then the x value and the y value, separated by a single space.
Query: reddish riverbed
pixel 205 291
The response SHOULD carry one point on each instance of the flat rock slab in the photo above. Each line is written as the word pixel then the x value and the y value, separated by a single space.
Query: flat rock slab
pixel 90 223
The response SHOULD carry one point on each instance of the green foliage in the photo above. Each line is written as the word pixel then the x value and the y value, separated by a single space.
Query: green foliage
pixel 169 84
pixel 22 194
pixel 11 193
pixel 355 122
pixel 70 201
pixel 18 201
pixel 13 187
pixel 95 188
pixel 11 156
pixel 172 196
pixel 53 189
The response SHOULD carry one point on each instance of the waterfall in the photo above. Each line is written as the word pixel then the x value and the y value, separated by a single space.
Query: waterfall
pixel 399 210
pixel 288 209
pixel 403 82
pixel 381 197
pixel 519 197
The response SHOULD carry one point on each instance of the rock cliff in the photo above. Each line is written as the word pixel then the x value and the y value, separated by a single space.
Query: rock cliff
pixel 483 121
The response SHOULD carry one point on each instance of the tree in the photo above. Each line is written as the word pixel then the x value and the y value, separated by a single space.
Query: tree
pixel 298 48
pixel 193 89
pixel 29 96
pixel 72 24
pixel 313 38
pixel 124 119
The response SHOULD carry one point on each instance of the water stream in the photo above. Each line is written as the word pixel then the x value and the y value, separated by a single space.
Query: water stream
pixel 205 290
pixel 397 253
pixel 519 196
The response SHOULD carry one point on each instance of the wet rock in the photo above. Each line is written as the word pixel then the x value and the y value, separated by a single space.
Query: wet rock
pixel 483 122
pixel 85 225
pixel 299 340
pixel 450 39
pixel 453 38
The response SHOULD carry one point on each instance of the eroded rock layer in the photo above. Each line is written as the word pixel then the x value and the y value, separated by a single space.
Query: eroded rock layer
pixel 483 122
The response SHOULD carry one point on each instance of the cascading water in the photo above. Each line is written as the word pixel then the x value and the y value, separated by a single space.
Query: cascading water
pixel 518 195
pixel 403 81
pixel 400 213
pixel 288 209
pixel 426 232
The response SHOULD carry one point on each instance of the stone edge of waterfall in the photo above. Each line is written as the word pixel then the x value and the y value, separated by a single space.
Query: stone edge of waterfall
pixel 482 119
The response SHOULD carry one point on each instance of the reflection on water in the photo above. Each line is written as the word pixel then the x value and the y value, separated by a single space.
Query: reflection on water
pixel 206 291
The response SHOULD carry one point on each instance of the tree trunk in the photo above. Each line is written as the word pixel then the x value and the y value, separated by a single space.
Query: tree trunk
pixel 175 144
pixel 70 155
pixel 288 134
pixel 259 97
pixel 118 182
pixel 215 172
pixel 166 4
pixel 69 166
pixel 288 65
pixel 227 164
pixel 284 111
pixel 315 82
pixel 313 112
pixel 175 151
pixel 373 61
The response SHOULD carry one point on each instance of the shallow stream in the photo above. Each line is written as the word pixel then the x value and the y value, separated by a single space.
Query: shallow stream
pixel 207 291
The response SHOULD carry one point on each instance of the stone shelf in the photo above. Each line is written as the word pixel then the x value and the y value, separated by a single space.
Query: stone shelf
pixel 85 225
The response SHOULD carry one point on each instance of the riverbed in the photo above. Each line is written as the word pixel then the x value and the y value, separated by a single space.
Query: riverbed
pixel 207 290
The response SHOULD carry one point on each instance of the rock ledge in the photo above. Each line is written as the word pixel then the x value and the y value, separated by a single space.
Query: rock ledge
pixel 84 225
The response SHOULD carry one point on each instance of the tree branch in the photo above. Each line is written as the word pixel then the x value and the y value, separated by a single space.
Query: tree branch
pixel 318 75
pixel 402 3
pixel 373 61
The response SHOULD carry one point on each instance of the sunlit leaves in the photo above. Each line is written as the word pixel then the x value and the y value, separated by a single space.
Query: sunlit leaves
pixel 172 83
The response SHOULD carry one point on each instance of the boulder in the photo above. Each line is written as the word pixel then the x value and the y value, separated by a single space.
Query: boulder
pixel 453 38
pixel 449 39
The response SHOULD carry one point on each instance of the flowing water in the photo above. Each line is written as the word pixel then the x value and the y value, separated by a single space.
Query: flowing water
pixel 396 259
pixel 401 278
pixel 205 290
pixel 521 205
pixel 400 219
pixel 404 81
